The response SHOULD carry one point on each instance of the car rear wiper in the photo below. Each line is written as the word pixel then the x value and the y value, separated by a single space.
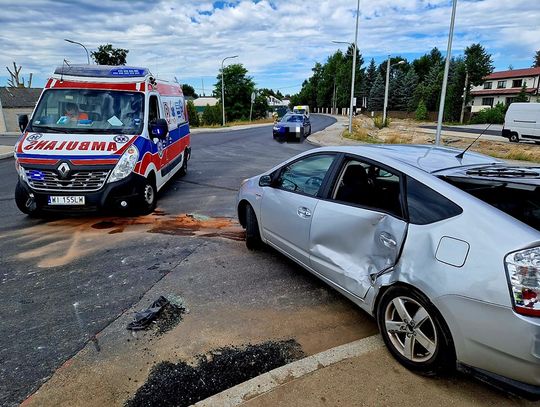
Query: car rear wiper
pixel 504 172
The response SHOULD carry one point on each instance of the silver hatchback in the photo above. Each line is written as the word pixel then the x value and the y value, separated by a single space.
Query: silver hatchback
pixel 442 249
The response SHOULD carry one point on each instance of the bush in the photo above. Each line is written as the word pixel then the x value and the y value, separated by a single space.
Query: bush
pixel 379 123
pixel 193 116
pixel 421 111
pixel 212 115
pixel 494 115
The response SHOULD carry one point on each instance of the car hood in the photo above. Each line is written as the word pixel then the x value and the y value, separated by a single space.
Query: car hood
pixel 67 146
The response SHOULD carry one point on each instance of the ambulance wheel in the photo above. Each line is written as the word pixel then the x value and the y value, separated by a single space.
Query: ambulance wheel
pixel 183 170
pixel 147 198
pixel 25 202
pixel 514 138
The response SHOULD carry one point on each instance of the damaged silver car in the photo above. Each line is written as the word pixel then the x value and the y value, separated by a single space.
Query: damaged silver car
pixel 443 249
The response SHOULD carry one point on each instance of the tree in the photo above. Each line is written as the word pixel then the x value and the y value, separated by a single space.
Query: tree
pixel 189 91
pixel 429 90
pixel 212 115
pixel 14 81
pixel 421 111
pixel 536 62
pixel 238 89
pixel 371 75
pixel 107 55
pixel 522 96
pixel 425 63
pixel 404 93
pixel 260 106
pixel 376 95
pixel 192 114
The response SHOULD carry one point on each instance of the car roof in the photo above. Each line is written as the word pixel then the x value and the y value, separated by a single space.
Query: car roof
pixel 424 157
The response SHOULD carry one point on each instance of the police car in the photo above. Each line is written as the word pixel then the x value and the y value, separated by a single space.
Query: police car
pixel 101 137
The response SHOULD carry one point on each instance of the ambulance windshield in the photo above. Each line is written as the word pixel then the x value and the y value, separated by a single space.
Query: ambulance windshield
pixel 89 111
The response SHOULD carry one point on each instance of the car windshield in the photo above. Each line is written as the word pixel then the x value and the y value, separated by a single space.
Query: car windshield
pixel 301 111
pixel 295 118
pixel 89 111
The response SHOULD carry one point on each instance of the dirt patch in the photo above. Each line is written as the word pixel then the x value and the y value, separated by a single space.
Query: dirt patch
pixel 170 316
pixel 182 384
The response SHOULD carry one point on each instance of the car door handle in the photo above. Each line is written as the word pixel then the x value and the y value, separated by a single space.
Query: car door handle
pixel 303 212
pixel 387 240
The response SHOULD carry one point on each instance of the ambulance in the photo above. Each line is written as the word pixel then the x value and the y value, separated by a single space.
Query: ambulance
pixel 101 137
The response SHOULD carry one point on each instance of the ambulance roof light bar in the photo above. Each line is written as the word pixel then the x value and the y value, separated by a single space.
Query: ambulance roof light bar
pixel 102 71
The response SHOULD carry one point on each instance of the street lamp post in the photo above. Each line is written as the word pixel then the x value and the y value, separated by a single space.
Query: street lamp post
pixel 78 43
pixel 388 67
pixel 353 64
pixel 223 86
pixel 445 79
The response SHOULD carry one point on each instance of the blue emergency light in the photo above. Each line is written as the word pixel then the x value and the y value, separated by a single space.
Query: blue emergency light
pixel 102 71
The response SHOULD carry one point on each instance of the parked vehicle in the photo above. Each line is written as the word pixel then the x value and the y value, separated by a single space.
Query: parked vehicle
pixel 302 109
pixel 522 122
pixel 443 251
pixel 101 137
pixel 292 127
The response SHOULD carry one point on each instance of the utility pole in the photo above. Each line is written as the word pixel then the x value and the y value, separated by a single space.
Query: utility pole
pixel 465 91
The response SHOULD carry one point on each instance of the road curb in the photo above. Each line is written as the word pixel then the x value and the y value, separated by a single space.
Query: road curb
pixel 6 155
pixel 275 378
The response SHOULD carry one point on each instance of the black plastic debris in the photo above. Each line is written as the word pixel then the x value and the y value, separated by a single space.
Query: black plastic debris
pixel 144 318
pixel 182 384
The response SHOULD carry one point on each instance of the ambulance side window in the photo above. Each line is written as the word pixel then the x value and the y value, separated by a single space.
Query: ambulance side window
pixel 153 109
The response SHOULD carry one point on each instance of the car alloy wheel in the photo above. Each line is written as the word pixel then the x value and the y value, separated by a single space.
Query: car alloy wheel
pixel 410 329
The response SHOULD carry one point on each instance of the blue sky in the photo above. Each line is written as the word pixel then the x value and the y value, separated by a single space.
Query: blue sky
pixel 278 41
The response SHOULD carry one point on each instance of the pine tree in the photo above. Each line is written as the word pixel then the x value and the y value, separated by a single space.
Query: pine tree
pixel 396 92
pixel 371 75
pixel 376 95
pixel 404 92
pixel 522 96
pixel 536 63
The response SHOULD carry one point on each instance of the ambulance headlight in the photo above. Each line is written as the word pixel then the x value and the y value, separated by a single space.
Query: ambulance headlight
pixel 125 165
pixel 21 171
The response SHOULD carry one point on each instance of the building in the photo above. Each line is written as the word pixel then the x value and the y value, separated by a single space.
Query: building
pixel 503 87
pixel 202 102
pixel 15 102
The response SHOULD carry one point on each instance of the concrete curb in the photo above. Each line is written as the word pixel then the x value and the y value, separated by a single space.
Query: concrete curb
pixel 275 378
pixel 6 152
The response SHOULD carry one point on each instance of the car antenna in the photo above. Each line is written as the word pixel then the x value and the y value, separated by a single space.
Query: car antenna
pixel 460 155
pixel 65 62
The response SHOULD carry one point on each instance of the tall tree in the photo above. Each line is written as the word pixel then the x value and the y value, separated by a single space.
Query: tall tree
pixel 429 90
pixel 107 55
pixel 376 95
pixel 425 63
pixel 405 90
pixel 371 75
pixel 15 81
pixel 189 90
pixel 536 62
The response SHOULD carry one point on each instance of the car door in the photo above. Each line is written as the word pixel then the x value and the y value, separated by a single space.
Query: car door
pixel 288 205
pixel 359 229
pixel 159 146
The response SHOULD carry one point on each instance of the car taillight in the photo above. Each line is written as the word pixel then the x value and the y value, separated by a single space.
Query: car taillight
pixel 523 270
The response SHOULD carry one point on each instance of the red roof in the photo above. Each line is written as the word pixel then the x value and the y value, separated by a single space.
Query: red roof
pixel 512 91
pixel 514 73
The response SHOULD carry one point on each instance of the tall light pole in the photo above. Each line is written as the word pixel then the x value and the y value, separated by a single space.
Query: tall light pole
pixel 388 67
pixel 445 79
pixel 353 64
pixel 78 43
pixel 223 86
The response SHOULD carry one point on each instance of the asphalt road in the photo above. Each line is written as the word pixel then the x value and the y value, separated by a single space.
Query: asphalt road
pixel 62 281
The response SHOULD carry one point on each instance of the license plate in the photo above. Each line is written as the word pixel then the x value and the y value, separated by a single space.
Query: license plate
pixel 66 200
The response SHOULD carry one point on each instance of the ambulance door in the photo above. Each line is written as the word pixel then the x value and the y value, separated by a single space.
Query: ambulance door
pixel 159 146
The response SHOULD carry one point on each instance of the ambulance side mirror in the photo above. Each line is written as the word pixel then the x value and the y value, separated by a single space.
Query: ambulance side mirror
pixel 159 128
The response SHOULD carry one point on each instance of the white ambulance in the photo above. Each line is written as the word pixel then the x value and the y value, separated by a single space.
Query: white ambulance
pixel 101 137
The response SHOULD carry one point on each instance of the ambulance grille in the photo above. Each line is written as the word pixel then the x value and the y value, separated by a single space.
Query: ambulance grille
pixel 76 181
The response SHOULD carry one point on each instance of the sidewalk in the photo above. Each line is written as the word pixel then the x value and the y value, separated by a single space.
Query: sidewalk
pixel 6 152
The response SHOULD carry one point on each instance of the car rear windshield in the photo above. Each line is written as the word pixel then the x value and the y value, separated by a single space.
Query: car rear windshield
pixel 518 199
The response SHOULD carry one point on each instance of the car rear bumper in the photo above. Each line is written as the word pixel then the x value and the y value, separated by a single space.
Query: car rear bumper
pixel 494 340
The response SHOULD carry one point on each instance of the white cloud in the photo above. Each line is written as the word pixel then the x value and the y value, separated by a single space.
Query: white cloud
pixel 277 40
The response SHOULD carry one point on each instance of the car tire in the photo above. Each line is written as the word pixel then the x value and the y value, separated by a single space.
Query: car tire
pixel 425 346
pixel 147 198
pixel 183 170
pixel 25 203
pixel 253 235
pixel 514 138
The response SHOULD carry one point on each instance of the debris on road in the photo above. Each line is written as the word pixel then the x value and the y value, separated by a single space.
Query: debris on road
pixel 169 315
pixel 182 384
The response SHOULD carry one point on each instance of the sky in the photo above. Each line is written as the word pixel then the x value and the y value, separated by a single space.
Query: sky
pixel 278 41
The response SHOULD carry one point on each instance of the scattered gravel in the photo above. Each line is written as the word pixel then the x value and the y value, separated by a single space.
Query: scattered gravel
pixel 181 384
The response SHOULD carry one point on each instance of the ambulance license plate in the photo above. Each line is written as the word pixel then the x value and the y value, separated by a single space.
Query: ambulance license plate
pixel 66 200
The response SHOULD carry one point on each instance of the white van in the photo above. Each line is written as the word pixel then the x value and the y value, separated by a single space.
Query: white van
pixel 522 121
pixel 303 109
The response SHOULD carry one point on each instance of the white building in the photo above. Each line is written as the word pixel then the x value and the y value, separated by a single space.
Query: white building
pixel 503 87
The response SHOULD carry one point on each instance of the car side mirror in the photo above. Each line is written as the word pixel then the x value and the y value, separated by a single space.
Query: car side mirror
pixel 159 128
pixel 23 121
pixel 265 181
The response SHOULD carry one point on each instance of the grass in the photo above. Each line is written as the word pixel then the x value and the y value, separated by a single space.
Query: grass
pixel 361 134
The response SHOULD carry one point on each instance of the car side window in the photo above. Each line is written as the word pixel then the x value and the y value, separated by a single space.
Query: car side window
pixel 306 175
pixel 427 206
pixel 367 185
pixel 153 109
